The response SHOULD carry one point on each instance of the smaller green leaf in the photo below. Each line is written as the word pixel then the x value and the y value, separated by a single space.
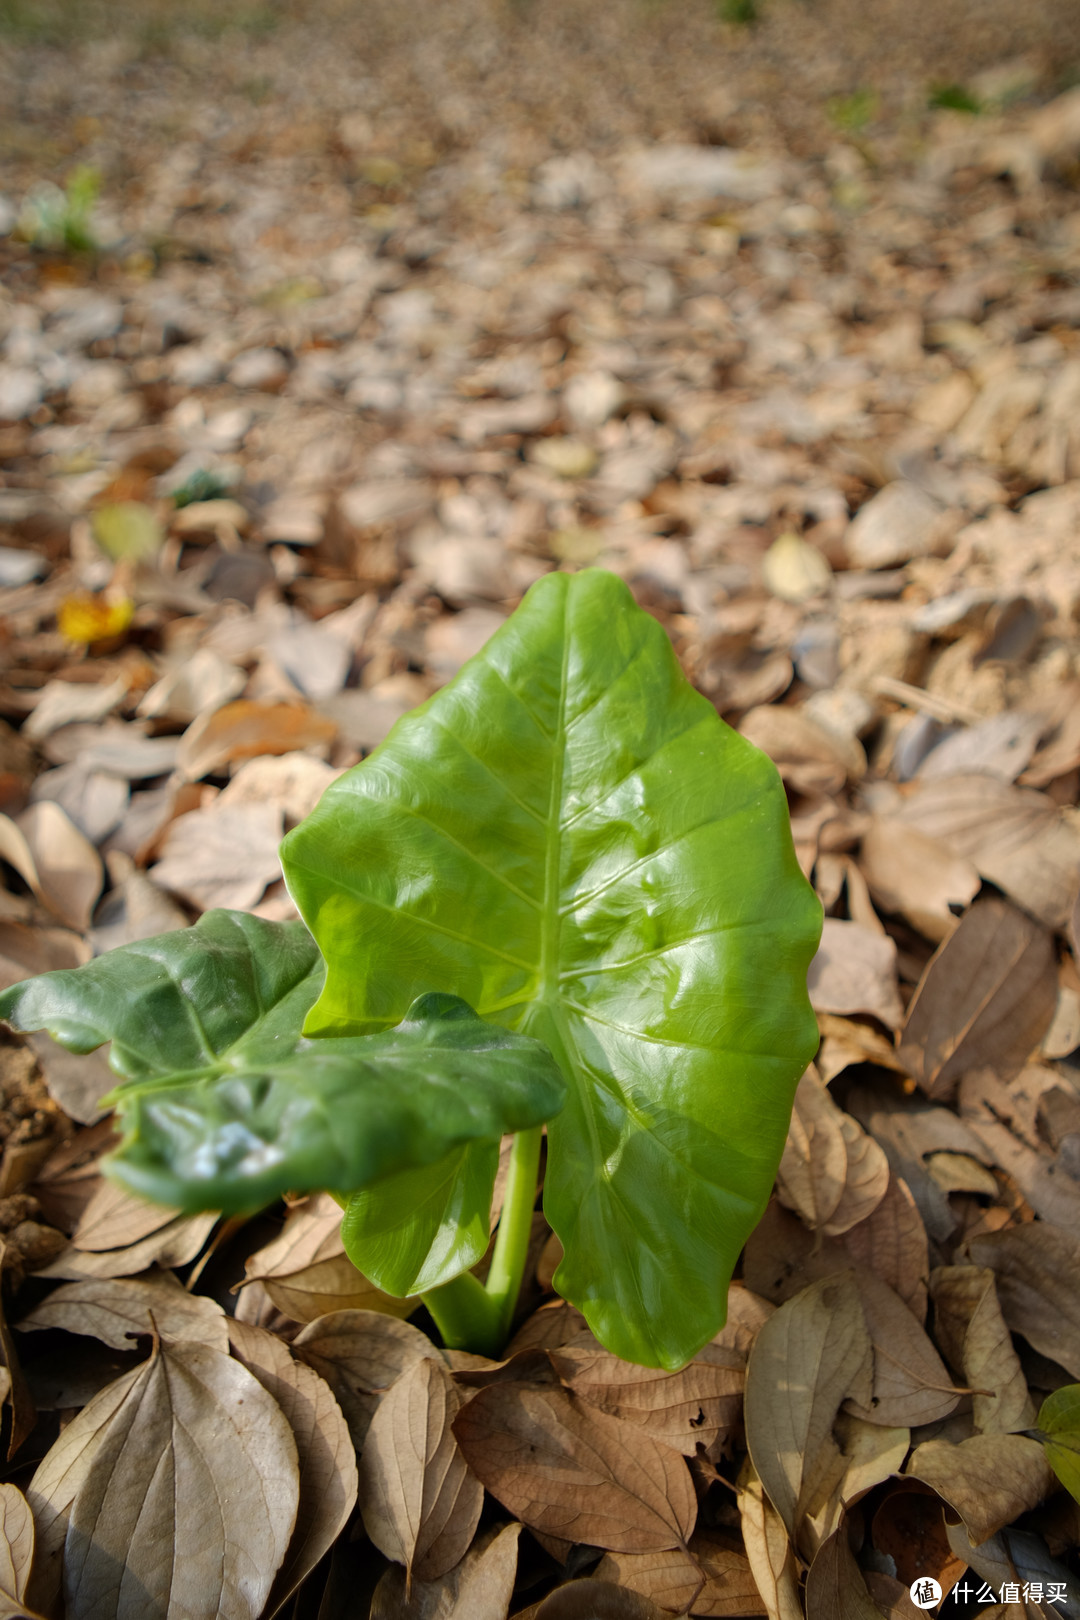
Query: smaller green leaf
pixel 127 529
pixel 1059 1432
pixel 418 1229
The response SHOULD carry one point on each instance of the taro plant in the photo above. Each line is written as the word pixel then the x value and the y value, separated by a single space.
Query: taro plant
pixel 562 892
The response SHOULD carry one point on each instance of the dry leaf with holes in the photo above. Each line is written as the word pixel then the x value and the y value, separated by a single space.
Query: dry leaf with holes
pixel 854 971
pixel 1037 1267
pixel 684 1409
pixel 970 1329
pixel 572 1472
pixel 810 1357
pixel 360 1354
pixel 187 1452
pixel 479 1588
pixel 117 1311
pixel 327 1461
pixel 831 1172
pixel 916 876
pixel 985 1000
pixel 420 1502
pixel 768 1549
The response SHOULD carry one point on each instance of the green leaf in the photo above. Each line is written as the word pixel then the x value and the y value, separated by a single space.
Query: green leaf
pixel 127 529
pixel 1059 1431
pixel 228 1107
pixel 419 1228
pixel 569 837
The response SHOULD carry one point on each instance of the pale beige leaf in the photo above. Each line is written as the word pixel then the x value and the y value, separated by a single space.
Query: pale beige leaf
pixel 176 1244
pixel 959 1172
pixel 845 1042
pixel 592 1599
pixel 56 860
pixel 911 1383
pixel 114 1219
pixel 990 1479
pixel 1016 838
pixel 810 757
pixel 747 1314
pixel 684 1409
pixel 553 1324
pixel 331 1285
pixel 569 1471
pixel 224 855
pixel 1044 1182
pixel 916 876
pixel 1037 1267
pixel 970 1329
pixel 985 999
pixel 419 1500
pixel 730 1588
pixel 671 1579
pixel 868 1454
pixel 809 1357
pixel 199 1459
pixel 854 971
pixel 312 1232
pixel 479 1588
pixel 813 1166
pixel 866 1180
pixel 16 1552
pixel 835 1588
pixel 117 1310
pixel 892 1243
pixel 327 1460
pixel 768 1549
pixel 360 1354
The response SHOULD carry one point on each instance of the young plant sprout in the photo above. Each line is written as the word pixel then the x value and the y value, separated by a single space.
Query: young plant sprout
pixel 562 892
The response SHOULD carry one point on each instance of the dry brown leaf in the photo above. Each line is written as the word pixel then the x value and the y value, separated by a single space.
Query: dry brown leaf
pixel 419 1501
pixel 360 1354
pixel 908 1527
pixel 16 1553
pixel 327 1460
pixel 831 1172
pixel 730 1588
pixel 970 1329
pixel 986 999
pixel 893 1598
pixel 747 1314
pixel 56 860
pixel 1044 1182
pixel 312 1232
pixel 328 1286
pixel 892 1244
pixel 1016 838
pixel 1037 1267
pixel 813 1354
pixel 187 1452
pixel 845 1042
pixel 479 1588
pixel 113 1219
pixel 990 1479
pixel 684 1409
pixel 553 1324
pixel 916 876
pixel 911 1384
pixel 768 1549
pixel 811 759
pixel 1013 1555
pixel 835 1588
pixel 117 1311
pixel 26 951
pixel 244 729
pixel 854 971
pixel 569 1471
pixel 176 1244
pixel 224 855
pixel 671 1579
pixel 592 1599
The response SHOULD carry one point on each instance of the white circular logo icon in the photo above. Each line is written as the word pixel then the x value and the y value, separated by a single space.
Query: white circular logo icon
pixel 925 1592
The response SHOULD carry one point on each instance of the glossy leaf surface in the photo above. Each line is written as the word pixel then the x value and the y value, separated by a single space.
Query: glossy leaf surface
pixel 569 837
pixel 232 1107
pixel 1059 1431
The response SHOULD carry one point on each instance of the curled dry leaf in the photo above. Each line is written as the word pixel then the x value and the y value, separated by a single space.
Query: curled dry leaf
pixel 911 1384
pixel 113 1219
pixel 985 1000
pixel 572 1472
pixel 809 1357
pixel 810 758
pixel 892 1243
pixel 553 1324
pixel 990 1479
pixel 1013 1555
pixel 835 1587
pixel 867 1455
pixel 16 1553
pixel 854 971
pixel 768 1549
pixel 175 1244
pixel 419 1501
pixel 187 1452
pixel 56 860
pixel 310 1234
pixel 969 1327
pixel 117 1311
pixel 360 1354
pixel 684 1409
pixel 1042 1179
pixel 1037 1267
pixel 327 1460
pixel 479 1588
pixel 307 1273
pixel 917 876
pixel 831 1172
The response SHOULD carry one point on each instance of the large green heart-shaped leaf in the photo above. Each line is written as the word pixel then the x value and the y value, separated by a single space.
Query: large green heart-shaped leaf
pixel 227 1106
pixel 569 837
